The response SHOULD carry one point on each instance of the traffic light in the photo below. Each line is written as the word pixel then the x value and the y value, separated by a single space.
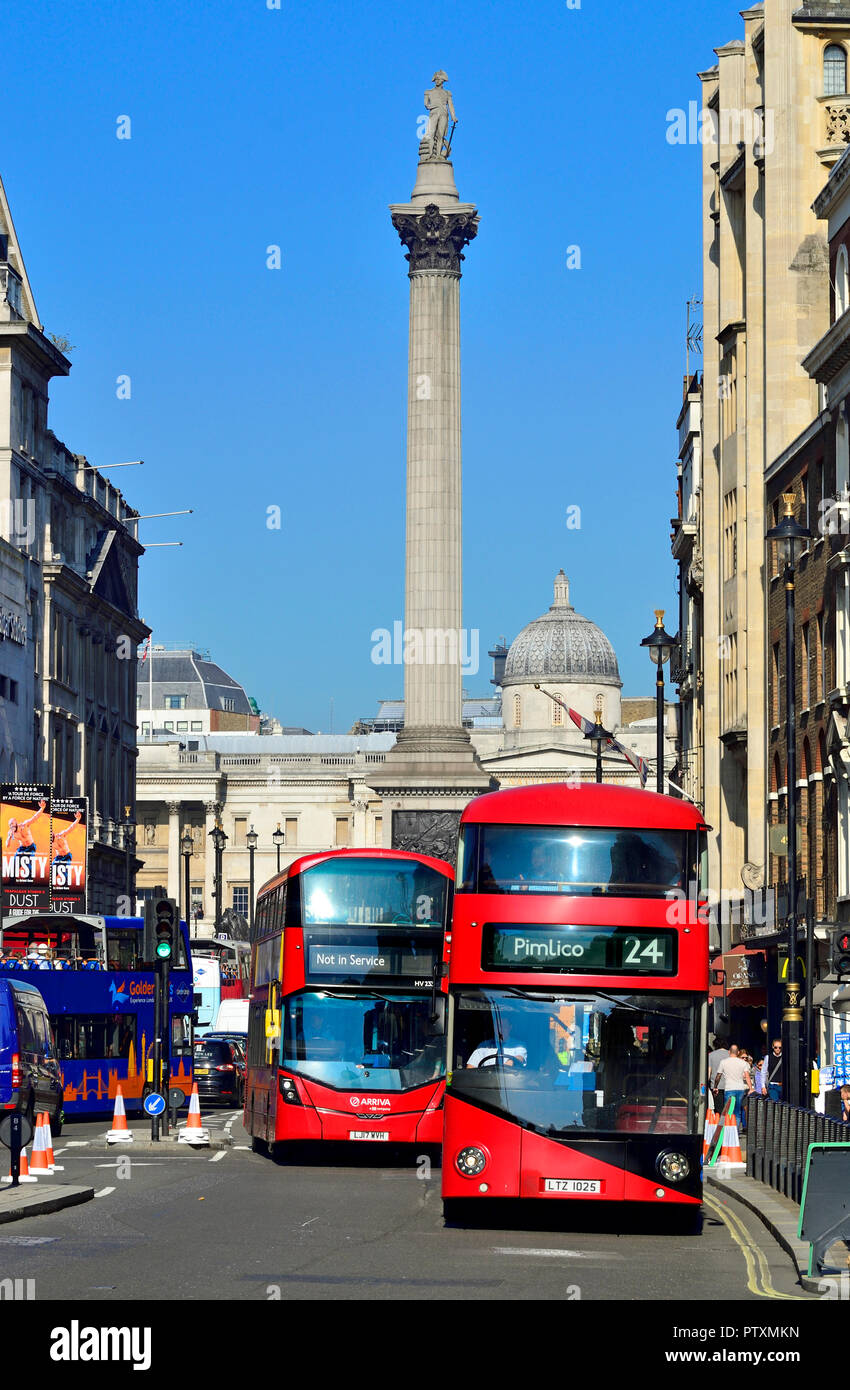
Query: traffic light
pixel 839 962
pixel 166 926
pixel 161 926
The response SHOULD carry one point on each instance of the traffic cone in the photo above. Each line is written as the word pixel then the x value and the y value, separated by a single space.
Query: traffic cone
pixel 730 1152
pixel 39 1165
pixel 120 1133
pixel 193 1131
pixel 24 1174
pixel 48 1143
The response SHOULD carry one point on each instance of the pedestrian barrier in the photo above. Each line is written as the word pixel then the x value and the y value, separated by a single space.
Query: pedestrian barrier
pixel 778 1139
pixel 120 1133
pixel 193 1132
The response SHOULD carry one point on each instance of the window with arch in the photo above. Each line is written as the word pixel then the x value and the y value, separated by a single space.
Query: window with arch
pixel 517 711
pixel 834 70
pixel 842 282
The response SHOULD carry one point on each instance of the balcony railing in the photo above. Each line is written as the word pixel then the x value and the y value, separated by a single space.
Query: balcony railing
pixel 836 128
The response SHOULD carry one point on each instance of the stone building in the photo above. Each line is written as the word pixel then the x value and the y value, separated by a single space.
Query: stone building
pixel 68 598
pixel 687 546
pixel 182 691
pixel 320 791
pixel 778 106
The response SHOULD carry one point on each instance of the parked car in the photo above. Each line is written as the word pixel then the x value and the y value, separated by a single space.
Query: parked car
pixel 30 1074
pixel 218 1070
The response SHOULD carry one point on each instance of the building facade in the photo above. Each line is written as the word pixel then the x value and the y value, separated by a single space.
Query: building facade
pixel 777 105
pixel 68 599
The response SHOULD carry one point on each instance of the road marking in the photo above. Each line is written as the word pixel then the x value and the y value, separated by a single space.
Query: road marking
pixel 309 1223
pixel 77 1144
pixel 137 1163
pixel 758 1280
pixel 104 1192
pixel 215 1158
pixel 57 1152
pixel 555 1254
pixel 241 1146
pixel 27 1240
pixel 230 1122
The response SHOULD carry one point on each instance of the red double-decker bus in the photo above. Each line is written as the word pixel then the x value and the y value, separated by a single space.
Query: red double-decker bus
pixel 578 986
pixel 346 1030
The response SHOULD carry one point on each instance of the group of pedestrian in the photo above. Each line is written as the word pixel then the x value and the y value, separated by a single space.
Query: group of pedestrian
pixel 733 1074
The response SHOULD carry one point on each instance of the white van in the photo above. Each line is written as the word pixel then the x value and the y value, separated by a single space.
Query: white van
pixel 232 1017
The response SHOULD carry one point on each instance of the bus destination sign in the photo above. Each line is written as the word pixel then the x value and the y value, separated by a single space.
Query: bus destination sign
pixel 595 950
pixel 352 957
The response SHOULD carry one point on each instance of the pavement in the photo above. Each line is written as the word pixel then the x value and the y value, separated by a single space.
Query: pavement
pixel 18 1202
pixel 781 1216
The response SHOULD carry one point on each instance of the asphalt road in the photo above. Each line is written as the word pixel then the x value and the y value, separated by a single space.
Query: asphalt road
pixel 355 1224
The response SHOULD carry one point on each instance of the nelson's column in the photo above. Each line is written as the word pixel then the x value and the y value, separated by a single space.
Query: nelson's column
pixel 432 772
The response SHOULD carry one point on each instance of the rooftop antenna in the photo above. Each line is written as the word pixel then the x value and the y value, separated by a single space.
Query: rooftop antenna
pixel 693 334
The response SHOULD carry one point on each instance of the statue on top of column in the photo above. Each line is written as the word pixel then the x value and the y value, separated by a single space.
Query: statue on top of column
pixel 437 143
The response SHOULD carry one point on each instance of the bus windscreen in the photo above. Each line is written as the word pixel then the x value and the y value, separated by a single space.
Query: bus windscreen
pixel 374 892
pixel 575 860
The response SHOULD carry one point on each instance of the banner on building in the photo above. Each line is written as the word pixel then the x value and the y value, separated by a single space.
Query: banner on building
pixel 68 862
pixel 25 833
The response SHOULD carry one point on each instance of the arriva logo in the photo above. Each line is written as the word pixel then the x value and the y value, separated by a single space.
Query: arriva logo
pixel 381 1101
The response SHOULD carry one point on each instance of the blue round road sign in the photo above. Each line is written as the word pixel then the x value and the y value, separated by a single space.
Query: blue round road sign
pixel 154 1104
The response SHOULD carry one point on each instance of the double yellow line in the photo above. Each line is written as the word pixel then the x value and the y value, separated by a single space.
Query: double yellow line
pixel 758 1274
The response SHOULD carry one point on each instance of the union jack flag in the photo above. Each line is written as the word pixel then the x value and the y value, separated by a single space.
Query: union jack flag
pixel 640 764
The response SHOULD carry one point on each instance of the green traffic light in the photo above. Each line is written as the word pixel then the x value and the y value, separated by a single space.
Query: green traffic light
pixel 163 950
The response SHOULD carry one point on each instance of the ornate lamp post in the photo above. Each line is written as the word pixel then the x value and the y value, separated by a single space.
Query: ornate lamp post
pixel 793 538
pixel 251 841
pixel 598 736
pixel 219 840
pixel 660 645
pixel 129 855
pixel 279 838
pixel 188 849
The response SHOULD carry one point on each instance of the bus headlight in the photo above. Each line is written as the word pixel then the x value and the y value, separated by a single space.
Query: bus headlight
pixel 288 1090
pixel 673 1167
pixel 471 1161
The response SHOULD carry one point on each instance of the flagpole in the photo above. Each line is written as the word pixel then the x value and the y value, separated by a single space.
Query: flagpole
pixel 150 685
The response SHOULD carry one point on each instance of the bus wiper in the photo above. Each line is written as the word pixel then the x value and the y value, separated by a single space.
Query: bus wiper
pixel 636 1008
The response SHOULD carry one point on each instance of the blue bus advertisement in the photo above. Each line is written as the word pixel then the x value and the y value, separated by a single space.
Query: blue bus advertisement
pixel 99 993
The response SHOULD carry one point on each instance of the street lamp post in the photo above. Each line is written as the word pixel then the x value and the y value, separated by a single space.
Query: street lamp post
pixel 791 536
pixel 251 841
pixel 278 838
pixel 187 846
pixel 129 855
pixel 219 840
pixel 660 645
pixel 598 736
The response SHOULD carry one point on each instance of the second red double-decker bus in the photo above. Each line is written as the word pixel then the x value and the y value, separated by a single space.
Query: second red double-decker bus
pixel 346 1032
pixel 577 994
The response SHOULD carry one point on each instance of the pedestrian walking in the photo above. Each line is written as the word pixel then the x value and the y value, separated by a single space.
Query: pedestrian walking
pixel 772 1074
pixel 715 1057
pixel 733 1079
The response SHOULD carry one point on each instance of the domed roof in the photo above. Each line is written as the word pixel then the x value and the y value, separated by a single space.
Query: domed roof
pixel 562 645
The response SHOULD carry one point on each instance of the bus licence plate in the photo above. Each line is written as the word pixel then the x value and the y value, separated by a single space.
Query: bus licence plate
pixel 572 1185
pixel 368 1134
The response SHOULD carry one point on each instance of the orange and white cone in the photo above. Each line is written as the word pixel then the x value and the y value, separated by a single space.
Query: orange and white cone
pixel 24 1174
pixel 193 1131
pixel 730 1151
pixel 120 1133
pixel 48 1144
pixel 39 1164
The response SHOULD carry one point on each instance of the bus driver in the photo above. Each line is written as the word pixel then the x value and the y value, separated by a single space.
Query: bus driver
pixel 504 1052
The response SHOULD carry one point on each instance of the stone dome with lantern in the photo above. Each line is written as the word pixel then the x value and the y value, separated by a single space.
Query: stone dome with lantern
pixel 567 655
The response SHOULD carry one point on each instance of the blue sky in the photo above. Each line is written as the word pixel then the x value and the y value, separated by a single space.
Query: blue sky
pixel 254 388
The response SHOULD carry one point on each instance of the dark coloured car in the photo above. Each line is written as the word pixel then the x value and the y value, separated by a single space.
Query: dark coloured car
pixel 217 1068
pixel 30 1074
pixel 239 1043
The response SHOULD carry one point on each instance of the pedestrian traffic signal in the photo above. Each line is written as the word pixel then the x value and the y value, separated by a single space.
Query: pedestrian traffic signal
pixel 839 963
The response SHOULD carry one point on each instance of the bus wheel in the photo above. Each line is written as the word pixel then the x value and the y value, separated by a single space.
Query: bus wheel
pixel 280 1152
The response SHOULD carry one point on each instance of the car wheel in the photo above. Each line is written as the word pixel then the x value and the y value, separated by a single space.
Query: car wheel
pixel 57 1121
